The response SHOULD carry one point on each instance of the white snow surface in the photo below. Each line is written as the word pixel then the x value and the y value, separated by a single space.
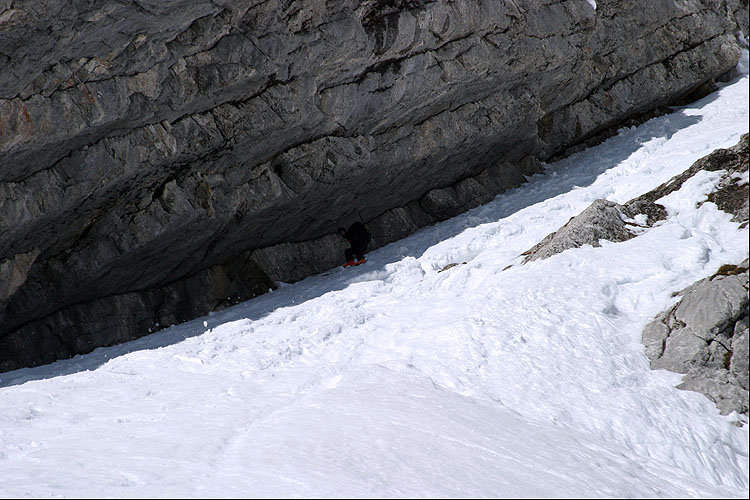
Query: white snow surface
pixel 393 379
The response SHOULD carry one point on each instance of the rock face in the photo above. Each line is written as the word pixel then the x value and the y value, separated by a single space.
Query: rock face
pixel 160 159
pixel 704 335
pixel 602 220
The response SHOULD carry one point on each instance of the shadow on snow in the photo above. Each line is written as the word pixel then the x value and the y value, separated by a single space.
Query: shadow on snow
pixel 577 170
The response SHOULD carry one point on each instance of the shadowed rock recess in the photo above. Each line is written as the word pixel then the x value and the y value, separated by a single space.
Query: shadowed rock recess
pixel 160 159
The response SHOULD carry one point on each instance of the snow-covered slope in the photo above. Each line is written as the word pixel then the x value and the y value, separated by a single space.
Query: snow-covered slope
pixel 394 379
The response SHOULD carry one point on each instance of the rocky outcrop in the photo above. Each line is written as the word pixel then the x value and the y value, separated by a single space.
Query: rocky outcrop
pixel 730 195
pixel 602 220
pixel 151 149
pixel 610 221
pixel 704 335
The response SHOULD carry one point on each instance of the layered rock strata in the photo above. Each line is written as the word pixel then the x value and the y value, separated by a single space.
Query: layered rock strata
pixel 160 159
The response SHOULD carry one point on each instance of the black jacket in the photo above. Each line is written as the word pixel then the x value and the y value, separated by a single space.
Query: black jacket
pixel 358 235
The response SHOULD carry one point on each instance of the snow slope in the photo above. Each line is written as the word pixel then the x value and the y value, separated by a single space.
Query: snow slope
pixel 393 379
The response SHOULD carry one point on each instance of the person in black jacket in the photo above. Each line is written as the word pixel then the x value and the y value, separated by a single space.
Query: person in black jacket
pixel 358 237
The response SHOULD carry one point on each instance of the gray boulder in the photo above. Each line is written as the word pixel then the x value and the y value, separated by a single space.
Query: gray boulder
pixel 602 220
pixel 705 336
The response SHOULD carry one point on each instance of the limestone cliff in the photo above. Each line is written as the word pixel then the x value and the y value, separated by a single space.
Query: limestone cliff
pixel 162 158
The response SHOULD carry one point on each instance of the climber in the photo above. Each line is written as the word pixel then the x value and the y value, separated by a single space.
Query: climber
pixel 358 237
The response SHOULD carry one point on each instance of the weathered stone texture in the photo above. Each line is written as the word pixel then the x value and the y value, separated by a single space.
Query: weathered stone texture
pixel 602 220
pixel 145 143
pixel 705 336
